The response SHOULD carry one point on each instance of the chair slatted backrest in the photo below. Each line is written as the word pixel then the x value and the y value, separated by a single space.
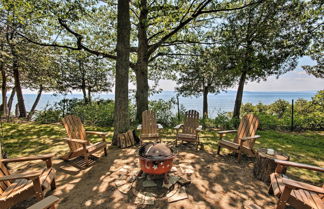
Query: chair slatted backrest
pixel 248 127
pixel 75 130
pixel 149 125
pixel 191 122
pixel 4 172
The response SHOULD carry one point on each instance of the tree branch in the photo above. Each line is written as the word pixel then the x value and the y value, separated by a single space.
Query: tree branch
pixel 197 12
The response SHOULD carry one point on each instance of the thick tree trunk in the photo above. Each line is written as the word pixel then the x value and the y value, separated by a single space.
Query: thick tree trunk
pixel 239 96
pixel 205 103
pixel 4 91
pixel 141 67
pixel 121 117
pixel 32 110
pixel 20 97
pixel 142 91
pixel 10 101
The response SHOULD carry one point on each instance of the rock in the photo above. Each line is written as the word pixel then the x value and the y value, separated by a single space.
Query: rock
pixel 125 188
pixel 183 181
pixel 120 183
pixel 149 183
pixel 180 195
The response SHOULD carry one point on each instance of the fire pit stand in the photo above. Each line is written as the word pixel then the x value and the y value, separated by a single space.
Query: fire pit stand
pixel 156 159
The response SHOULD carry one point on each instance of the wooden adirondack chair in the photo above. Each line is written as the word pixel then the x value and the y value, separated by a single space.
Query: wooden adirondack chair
pixel 149 128
pixel 244 139
pixel 17 187
pixel 190 128
pixel 78 142
pixel 295 193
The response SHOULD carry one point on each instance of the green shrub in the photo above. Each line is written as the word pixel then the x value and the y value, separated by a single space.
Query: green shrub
pixel 164 112
pixel 48 116
pixel 224 121
pixel 99 113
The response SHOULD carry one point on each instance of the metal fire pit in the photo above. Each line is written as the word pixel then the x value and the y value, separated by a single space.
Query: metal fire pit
pixel 156 159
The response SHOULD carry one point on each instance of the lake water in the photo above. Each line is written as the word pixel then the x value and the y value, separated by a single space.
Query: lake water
pixel 220 102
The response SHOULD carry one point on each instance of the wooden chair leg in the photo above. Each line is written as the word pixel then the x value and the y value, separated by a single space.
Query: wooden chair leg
pixel 38 189
pixel 53 184
pixel 105 150
pixel 86 159
pixel 239 155
pixel 176 142
pixel 284 198
pixel 218 149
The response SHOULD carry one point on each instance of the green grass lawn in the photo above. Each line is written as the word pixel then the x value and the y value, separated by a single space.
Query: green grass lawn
pixel 32 139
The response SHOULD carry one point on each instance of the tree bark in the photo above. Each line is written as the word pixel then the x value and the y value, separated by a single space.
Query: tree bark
pixel 83 82
pixel 205 103
pixel 141 67
pixel 32 110
pixel 4 91
pixel 239 96
pixel 142 91
pixel 121 117
pixel 16 74
pixel 12 95
pixel 89 94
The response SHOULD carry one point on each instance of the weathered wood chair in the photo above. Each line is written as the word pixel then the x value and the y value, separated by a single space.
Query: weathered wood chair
pixel 47 203
pixel 244 139
pixel 295 193
pixel 17 187
pixel 149 127
pixel 78 141
pixel 190 128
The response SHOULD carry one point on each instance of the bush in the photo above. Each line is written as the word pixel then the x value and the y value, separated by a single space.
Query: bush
pixel 48 116
pixel 99 113
pixel 307 114
pixel 224 121
pixel 164 112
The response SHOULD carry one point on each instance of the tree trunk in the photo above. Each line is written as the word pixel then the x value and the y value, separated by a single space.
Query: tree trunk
pixel 12 95
pixel 205 103
pixel 89 94
pixel 239 96
pixel 141 67
pixel 121 117
pixel 84 94
pixel 20 97
pixel 83 82
pixel 32 110
pixel 4 91
pixel 142 91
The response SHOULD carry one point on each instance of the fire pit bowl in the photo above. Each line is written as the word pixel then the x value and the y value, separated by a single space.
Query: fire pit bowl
pixel 156 159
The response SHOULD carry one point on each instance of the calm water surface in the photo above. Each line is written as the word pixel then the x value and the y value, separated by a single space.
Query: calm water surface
pixel 217 103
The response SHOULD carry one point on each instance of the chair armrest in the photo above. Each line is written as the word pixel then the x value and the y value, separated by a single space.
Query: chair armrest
pixel 31 175
pixel 199 129
pixel 77 141
pixel 300 185
pixel 178 126
pixel 227 131
pixel 21 159
pixel 299 165
pixel 45 203
pixel 250 137
pixel 97 133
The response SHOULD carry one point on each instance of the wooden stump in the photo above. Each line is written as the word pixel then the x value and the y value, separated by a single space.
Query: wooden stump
pixel 265 165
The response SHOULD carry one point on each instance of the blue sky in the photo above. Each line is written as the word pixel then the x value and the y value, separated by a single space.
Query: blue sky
pixel 296 80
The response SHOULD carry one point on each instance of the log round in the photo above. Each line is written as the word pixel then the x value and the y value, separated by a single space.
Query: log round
pixel 264 164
